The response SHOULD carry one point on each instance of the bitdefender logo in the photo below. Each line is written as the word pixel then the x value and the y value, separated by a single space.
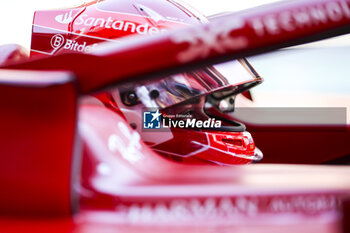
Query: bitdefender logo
pixel 58 42
pixel 152 120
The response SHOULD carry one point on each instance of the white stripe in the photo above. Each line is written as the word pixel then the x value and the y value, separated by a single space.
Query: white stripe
pixel 73 33
pixel 37 51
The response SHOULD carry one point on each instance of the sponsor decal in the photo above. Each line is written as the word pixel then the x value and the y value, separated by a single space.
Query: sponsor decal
pixel 108 23
pixel 157 120
pixel 288 21
pixel 218 37
pixel 212 37
pixel 75 46
pixel 65 18
pixel 128 144
pixel 214 210
pixel 58 41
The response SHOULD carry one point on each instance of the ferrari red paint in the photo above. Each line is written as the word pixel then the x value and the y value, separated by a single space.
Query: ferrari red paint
pixel 38 130
pixel 225 147
pixel 81 29
pixel 70 164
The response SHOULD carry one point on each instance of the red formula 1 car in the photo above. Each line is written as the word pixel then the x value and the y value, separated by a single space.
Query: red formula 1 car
pixel 70 163
pixel 187 97
pixel 211 92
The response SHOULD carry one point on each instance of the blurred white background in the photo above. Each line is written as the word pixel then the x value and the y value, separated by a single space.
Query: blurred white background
pixel 16 17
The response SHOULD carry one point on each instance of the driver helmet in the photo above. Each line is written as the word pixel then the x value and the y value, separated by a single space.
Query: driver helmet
pixel 184 117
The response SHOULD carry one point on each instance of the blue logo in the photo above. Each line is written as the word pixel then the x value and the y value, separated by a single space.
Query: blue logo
pixel 151 120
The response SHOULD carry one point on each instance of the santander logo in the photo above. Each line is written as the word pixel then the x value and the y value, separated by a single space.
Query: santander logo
pixel 108 22
pixel 65 18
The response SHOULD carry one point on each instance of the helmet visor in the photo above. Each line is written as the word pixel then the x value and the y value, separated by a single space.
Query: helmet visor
pixel 220 80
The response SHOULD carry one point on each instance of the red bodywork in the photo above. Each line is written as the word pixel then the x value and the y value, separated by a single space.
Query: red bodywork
pixel 123 185
pixel 240 144
pixel 81 29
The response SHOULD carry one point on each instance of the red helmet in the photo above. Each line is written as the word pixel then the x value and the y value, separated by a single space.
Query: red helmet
pixel 183 117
